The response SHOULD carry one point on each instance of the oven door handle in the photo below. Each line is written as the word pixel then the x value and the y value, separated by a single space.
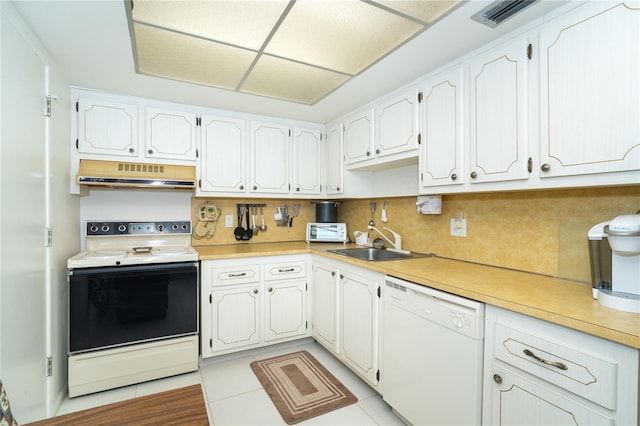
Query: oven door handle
pixel 132 268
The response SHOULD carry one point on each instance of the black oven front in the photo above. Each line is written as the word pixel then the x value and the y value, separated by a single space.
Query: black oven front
pixel 117 306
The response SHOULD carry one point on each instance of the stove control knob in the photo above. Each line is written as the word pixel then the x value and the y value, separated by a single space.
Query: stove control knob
pixel 174 226
pixel 185 226
pixel 93 229
pixel 122 227
pixel 160 228
pixel 105 228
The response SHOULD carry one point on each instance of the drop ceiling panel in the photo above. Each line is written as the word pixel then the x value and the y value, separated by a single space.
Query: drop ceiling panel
pixel 282 79
pixel 426 11
pixel 240 23
pixel 176 56
pixel 344 36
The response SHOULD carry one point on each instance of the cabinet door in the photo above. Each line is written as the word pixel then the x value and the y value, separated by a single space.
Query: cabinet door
pixel 335 158
pixel 441 160
pixel 325 310
pixel 235 317
pixel 269 158
pixel 170 134
pixel 307 144
pixel 359 324
pixel 499 114
pixel 590 91
pixel 107 128
pixel 518 401
pixel 223 157
pixel 397 123
pixel 358 137
pixel 285 313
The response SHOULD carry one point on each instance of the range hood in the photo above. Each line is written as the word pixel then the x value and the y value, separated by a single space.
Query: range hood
pixel 135 175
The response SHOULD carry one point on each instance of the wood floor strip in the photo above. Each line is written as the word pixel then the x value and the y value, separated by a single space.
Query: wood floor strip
pixel 183 406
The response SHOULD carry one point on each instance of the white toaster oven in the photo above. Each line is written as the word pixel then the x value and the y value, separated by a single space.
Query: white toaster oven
pixel 327 233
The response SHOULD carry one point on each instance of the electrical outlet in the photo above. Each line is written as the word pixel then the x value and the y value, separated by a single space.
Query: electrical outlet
pixel 459 227
pixel 228 221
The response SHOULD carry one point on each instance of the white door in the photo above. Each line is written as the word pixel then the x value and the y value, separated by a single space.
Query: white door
pixel 397 123
pixel 335 161
pixel 235 317
pixel 441 159
pixel 107 128
pixel 590 121
pixel 285 313
pixel 307 144
pixel 170 134
pixel 223 158
pixel 269 158
pixel 358 137
pixel 325 309
pixel 498 85
pixel 23 181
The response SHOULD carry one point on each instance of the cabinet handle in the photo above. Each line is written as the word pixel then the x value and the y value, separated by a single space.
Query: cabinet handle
pixel 474 175
pixel 497 378
pixel 255 291
pixel 255 187
pixel 131 150
pixel 333 273
pixel 559 365
pixel 368 154
pixel 337 188
pixel 270 289
pixel 298 188
pixel 454 176
pixel 545 167
pixel 150 151
pixel 241 274
pixel 241 187
pixel 286 270
pixel 341 276
pixel 377 151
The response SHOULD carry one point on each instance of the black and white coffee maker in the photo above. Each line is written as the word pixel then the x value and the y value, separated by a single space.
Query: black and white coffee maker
pixel 614 251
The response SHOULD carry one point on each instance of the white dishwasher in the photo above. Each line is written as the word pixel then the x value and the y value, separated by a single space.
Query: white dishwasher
pixel 432 355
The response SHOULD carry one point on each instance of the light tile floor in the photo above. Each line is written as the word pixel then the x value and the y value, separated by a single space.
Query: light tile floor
pixel 235 396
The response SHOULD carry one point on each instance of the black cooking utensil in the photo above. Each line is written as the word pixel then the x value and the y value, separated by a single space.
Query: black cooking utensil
pixel 239 231
pixel 248 233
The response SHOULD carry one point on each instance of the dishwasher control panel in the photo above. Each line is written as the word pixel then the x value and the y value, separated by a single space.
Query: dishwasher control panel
pixel 457 313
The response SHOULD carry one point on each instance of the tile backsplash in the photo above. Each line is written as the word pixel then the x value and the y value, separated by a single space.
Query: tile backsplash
pixel 543 232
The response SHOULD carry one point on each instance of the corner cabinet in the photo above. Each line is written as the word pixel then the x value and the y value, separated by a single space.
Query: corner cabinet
pixel 253 302
pixel 347 315
pixel 499 113
pixel 541 373
pixel 590 91
pixel 223 158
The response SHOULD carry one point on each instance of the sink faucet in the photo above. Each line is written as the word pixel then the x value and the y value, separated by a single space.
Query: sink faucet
pixel 397 239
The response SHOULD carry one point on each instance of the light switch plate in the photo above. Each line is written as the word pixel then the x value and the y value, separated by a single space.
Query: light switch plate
pixel 459 227
pixel 228 221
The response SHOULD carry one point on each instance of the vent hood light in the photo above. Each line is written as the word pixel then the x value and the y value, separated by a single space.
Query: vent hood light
pixel 135 175
pixel 500 11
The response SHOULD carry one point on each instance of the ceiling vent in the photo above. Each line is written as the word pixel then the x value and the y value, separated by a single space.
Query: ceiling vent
pixel 500 11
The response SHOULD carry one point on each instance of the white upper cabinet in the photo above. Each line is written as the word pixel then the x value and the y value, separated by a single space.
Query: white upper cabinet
pixel 397 124
pixel 270 158
pixel 334 160
pixel 442 156
pixel 170 134
pixel 107 128
pixel 590 91
pixel 358 137
pixel 223 158
pixel 307 148
pixel 498 84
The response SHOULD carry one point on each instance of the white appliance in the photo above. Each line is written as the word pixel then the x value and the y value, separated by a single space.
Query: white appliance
pixel 327 233
pixel 614 248
pixel 133 305
pixel 432 355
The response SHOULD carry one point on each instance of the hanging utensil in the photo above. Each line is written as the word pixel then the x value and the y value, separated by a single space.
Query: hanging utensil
pixel 385 206
pixel 239 231
pixel 263 227
pixel 372 207
pixel 254 220
pixel 296 209
pixel 248 233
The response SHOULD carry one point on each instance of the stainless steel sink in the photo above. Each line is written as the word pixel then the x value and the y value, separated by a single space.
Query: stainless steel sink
pixel 375 255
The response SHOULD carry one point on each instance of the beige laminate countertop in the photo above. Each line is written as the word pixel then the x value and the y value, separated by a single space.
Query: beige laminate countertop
pixel 558 301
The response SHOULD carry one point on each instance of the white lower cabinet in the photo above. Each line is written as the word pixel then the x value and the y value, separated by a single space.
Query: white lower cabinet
pixel 541 373
pixel 253 302
pixel 347 315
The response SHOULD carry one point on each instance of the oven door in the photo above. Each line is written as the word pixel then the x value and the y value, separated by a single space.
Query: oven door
pixel 116 306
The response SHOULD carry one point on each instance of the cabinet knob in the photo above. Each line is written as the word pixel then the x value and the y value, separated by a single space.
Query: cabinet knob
pixel 337 188
pixel 150 151
pixel 255 291
pixel 333 273
pixel 368 154
pixel 131 150
pixel 241 187
pixel 377 151
pixel 255 187
pixel 341 276
pixel 454 176
pixel 474 175
pixel 545 167
pixel 298 189
pixel 270 289
pixel 497 378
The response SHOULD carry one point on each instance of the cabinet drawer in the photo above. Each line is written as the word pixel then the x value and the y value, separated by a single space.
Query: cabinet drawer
pixel 588 375
pixel 239 274
pixel 284 270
